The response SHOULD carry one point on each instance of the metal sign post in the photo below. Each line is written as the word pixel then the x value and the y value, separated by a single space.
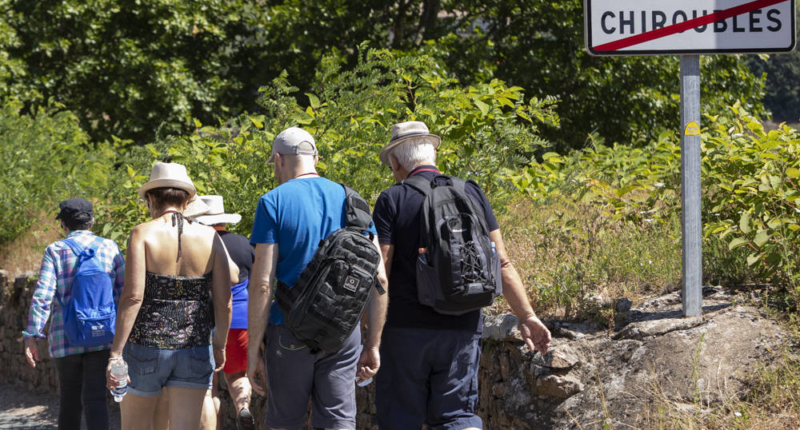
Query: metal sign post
pixel 689 28
pixel 691 218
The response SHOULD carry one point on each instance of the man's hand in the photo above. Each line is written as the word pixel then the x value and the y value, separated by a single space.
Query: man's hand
pixel 535 334
pixel 257 375
pixel 31 351
pixel 368 364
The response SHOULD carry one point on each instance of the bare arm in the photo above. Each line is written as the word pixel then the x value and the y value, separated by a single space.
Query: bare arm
pixel 370 362
pixel 132 293
pixel 533 331
pixel 387 252
pixel 378 303
pixel 221 298
pixel 262 280
pixel 232 266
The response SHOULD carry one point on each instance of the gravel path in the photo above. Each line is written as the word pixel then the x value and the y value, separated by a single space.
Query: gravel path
pixel 21 410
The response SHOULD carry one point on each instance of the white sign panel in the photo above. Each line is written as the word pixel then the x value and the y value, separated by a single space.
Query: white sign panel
pixel 655 27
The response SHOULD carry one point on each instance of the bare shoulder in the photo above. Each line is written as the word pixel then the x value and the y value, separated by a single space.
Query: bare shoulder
pixel 199 230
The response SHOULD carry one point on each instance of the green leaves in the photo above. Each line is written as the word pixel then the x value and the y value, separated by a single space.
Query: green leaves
pixel 744 223
pixel 46 161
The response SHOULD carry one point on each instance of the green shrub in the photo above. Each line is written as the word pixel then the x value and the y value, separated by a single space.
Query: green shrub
pixel 750 192
pixel 46 160
pixel 488 130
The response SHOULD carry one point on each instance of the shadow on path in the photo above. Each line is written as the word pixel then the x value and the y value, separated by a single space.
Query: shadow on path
pixel 23 410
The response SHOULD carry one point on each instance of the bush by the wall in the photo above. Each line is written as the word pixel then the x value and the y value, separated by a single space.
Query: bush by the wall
pixel 46 158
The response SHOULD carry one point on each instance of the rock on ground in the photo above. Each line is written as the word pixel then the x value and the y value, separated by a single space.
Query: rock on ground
pixel 591 376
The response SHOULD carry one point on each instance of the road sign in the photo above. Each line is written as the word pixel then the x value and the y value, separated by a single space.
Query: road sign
pixel 662 27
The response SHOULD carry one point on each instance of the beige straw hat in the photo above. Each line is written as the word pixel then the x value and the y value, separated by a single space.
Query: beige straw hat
pixel 170 175
pixel 404 131
pixel 195 208
pixel 216 212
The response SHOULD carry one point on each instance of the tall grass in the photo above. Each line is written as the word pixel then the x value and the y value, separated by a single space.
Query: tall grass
pixel 566 252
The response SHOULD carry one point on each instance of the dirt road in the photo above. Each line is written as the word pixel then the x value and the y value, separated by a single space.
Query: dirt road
pixel 21 410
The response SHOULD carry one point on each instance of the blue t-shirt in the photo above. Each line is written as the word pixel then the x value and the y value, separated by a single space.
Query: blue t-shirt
pixel 298 215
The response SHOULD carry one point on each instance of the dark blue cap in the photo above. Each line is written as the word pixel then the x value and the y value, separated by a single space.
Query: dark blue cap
pixel 76 209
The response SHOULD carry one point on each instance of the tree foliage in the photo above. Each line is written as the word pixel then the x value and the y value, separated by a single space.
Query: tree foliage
pixel 45 161
pixel 123 67
pixel 127 68
pixel 782 90
pixel 539 46
pixel 486 129
pixel 750 201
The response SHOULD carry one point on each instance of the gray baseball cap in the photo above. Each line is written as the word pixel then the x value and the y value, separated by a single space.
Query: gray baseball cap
pixel 289 142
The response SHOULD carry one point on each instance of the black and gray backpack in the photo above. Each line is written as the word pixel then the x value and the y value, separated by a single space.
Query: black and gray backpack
pixel 327 302
pixel 460 271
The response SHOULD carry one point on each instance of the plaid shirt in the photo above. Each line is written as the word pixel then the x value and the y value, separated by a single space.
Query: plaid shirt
pixel 55 281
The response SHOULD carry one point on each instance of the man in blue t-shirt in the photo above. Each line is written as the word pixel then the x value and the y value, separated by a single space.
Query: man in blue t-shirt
pixel 430 360
pixel 290 222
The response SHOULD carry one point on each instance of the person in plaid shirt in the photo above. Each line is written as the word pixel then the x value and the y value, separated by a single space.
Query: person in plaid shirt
pixel 81 371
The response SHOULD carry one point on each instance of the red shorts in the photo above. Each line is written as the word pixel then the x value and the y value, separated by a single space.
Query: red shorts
pixel 236 351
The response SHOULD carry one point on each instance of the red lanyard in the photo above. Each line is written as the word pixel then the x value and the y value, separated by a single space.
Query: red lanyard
pixel 424 170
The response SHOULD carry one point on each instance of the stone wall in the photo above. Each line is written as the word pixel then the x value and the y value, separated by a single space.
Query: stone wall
pixel 592 377
pixel 15 297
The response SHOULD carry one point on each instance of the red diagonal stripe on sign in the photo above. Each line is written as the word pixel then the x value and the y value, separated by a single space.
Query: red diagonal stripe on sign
pixel 686 25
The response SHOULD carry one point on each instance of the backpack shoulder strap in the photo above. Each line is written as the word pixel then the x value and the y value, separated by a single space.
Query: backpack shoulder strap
pixel 76 247
pixel 357 211
pixel 418 183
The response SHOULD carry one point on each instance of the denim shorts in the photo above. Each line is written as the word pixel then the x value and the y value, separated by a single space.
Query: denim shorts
pixel 152 369
pixel 428 376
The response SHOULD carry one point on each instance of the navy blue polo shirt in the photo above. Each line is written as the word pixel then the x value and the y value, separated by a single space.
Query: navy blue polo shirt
pixel 397 218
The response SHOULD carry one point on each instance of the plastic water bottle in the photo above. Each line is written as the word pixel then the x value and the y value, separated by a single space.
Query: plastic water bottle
pixel 494 249
pixel 119 372
pixel 364 383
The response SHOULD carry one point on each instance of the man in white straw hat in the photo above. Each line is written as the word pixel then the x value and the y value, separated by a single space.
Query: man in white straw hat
pixel 242 254
pixel 416 388
pixel 290 222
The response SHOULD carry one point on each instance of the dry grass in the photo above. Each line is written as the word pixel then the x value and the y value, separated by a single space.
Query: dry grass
pixel 24 254
pixel 566 253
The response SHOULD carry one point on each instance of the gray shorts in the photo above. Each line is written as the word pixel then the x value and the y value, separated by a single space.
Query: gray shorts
pixel 294 375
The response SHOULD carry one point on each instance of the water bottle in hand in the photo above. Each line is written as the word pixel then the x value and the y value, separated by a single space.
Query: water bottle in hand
pixel 119 373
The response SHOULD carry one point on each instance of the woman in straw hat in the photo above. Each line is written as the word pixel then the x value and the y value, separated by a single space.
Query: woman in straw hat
pixel 177 290
pixel 211 405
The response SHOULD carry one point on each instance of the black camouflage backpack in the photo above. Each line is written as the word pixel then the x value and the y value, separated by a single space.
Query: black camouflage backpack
pixel 460 271
pixel 325 305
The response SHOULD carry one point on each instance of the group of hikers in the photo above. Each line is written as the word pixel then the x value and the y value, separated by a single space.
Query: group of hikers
pixel 324 296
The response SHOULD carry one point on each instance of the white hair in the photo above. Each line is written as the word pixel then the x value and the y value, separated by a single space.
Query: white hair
pixel 414 152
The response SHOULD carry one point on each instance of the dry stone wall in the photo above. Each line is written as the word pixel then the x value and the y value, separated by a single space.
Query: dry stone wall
pixel 591 378
pixel 15 298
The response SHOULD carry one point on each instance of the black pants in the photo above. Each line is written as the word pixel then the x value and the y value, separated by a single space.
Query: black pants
pixel 82 384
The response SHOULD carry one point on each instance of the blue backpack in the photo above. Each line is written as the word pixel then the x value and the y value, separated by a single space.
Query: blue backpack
pixel 90 314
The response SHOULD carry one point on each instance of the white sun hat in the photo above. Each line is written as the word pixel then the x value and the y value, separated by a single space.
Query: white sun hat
pixel 195 208
pixel 170 175
pixel 216 212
